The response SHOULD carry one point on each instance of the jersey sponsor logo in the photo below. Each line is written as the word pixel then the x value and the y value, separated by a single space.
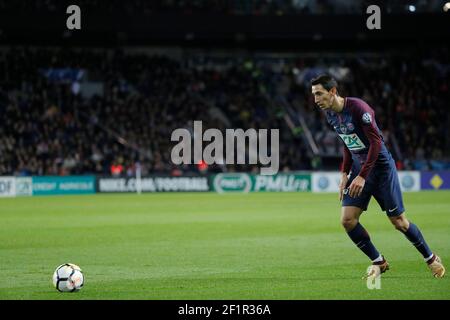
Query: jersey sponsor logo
pixel 367 118
pixel 352 141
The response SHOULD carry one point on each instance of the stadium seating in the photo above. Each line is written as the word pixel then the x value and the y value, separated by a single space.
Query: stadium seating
pixel 89 111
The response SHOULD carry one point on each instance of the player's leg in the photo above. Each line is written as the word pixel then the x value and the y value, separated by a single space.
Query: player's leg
pixel 357 233
pixel 389 196
pixel 350 217
pixel 413 234
pixel 352 207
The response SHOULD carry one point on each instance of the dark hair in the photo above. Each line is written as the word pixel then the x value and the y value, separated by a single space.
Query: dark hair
pixel 326 81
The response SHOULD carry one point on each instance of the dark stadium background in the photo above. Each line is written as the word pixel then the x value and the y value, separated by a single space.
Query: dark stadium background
pixel 205 51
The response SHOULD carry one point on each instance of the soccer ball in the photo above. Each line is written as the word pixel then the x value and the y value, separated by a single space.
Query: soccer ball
pixel 68 278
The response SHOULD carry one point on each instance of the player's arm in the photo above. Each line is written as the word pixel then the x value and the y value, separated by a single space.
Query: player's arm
pixel 374 138
pixel 345 170
pixel 371 132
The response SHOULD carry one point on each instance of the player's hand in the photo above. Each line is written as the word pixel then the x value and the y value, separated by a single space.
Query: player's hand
pixel 356 187
pixel 342 184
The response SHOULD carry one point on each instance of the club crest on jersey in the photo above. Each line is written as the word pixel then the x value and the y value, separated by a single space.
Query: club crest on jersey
pixel 346 128
pixel 343 128
pixel 367 118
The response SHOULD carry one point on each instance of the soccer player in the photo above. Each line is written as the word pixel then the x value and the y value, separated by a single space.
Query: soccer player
pixel 368 169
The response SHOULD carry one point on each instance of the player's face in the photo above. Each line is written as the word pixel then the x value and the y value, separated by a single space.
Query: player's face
pixel 322 97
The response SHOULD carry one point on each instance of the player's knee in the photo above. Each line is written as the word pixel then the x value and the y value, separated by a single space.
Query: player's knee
pixel 401 227
pixel 400 223
pixel 349 223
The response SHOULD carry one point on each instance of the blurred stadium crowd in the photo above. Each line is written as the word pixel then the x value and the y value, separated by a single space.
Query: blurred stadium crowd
pixel 67 111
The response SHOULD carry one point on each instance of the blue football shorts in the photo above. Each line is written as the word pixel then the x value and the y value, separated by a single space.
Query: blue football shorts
pixel 382 183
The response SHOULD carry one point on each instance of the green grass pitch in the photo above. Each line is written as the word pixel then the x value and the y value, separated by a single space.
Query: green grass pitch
pixel 211 246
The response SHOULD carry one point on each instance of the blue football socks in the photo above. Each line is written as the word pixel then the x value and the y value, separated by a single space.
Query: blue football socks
pixel 415 236
pixel 361 238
